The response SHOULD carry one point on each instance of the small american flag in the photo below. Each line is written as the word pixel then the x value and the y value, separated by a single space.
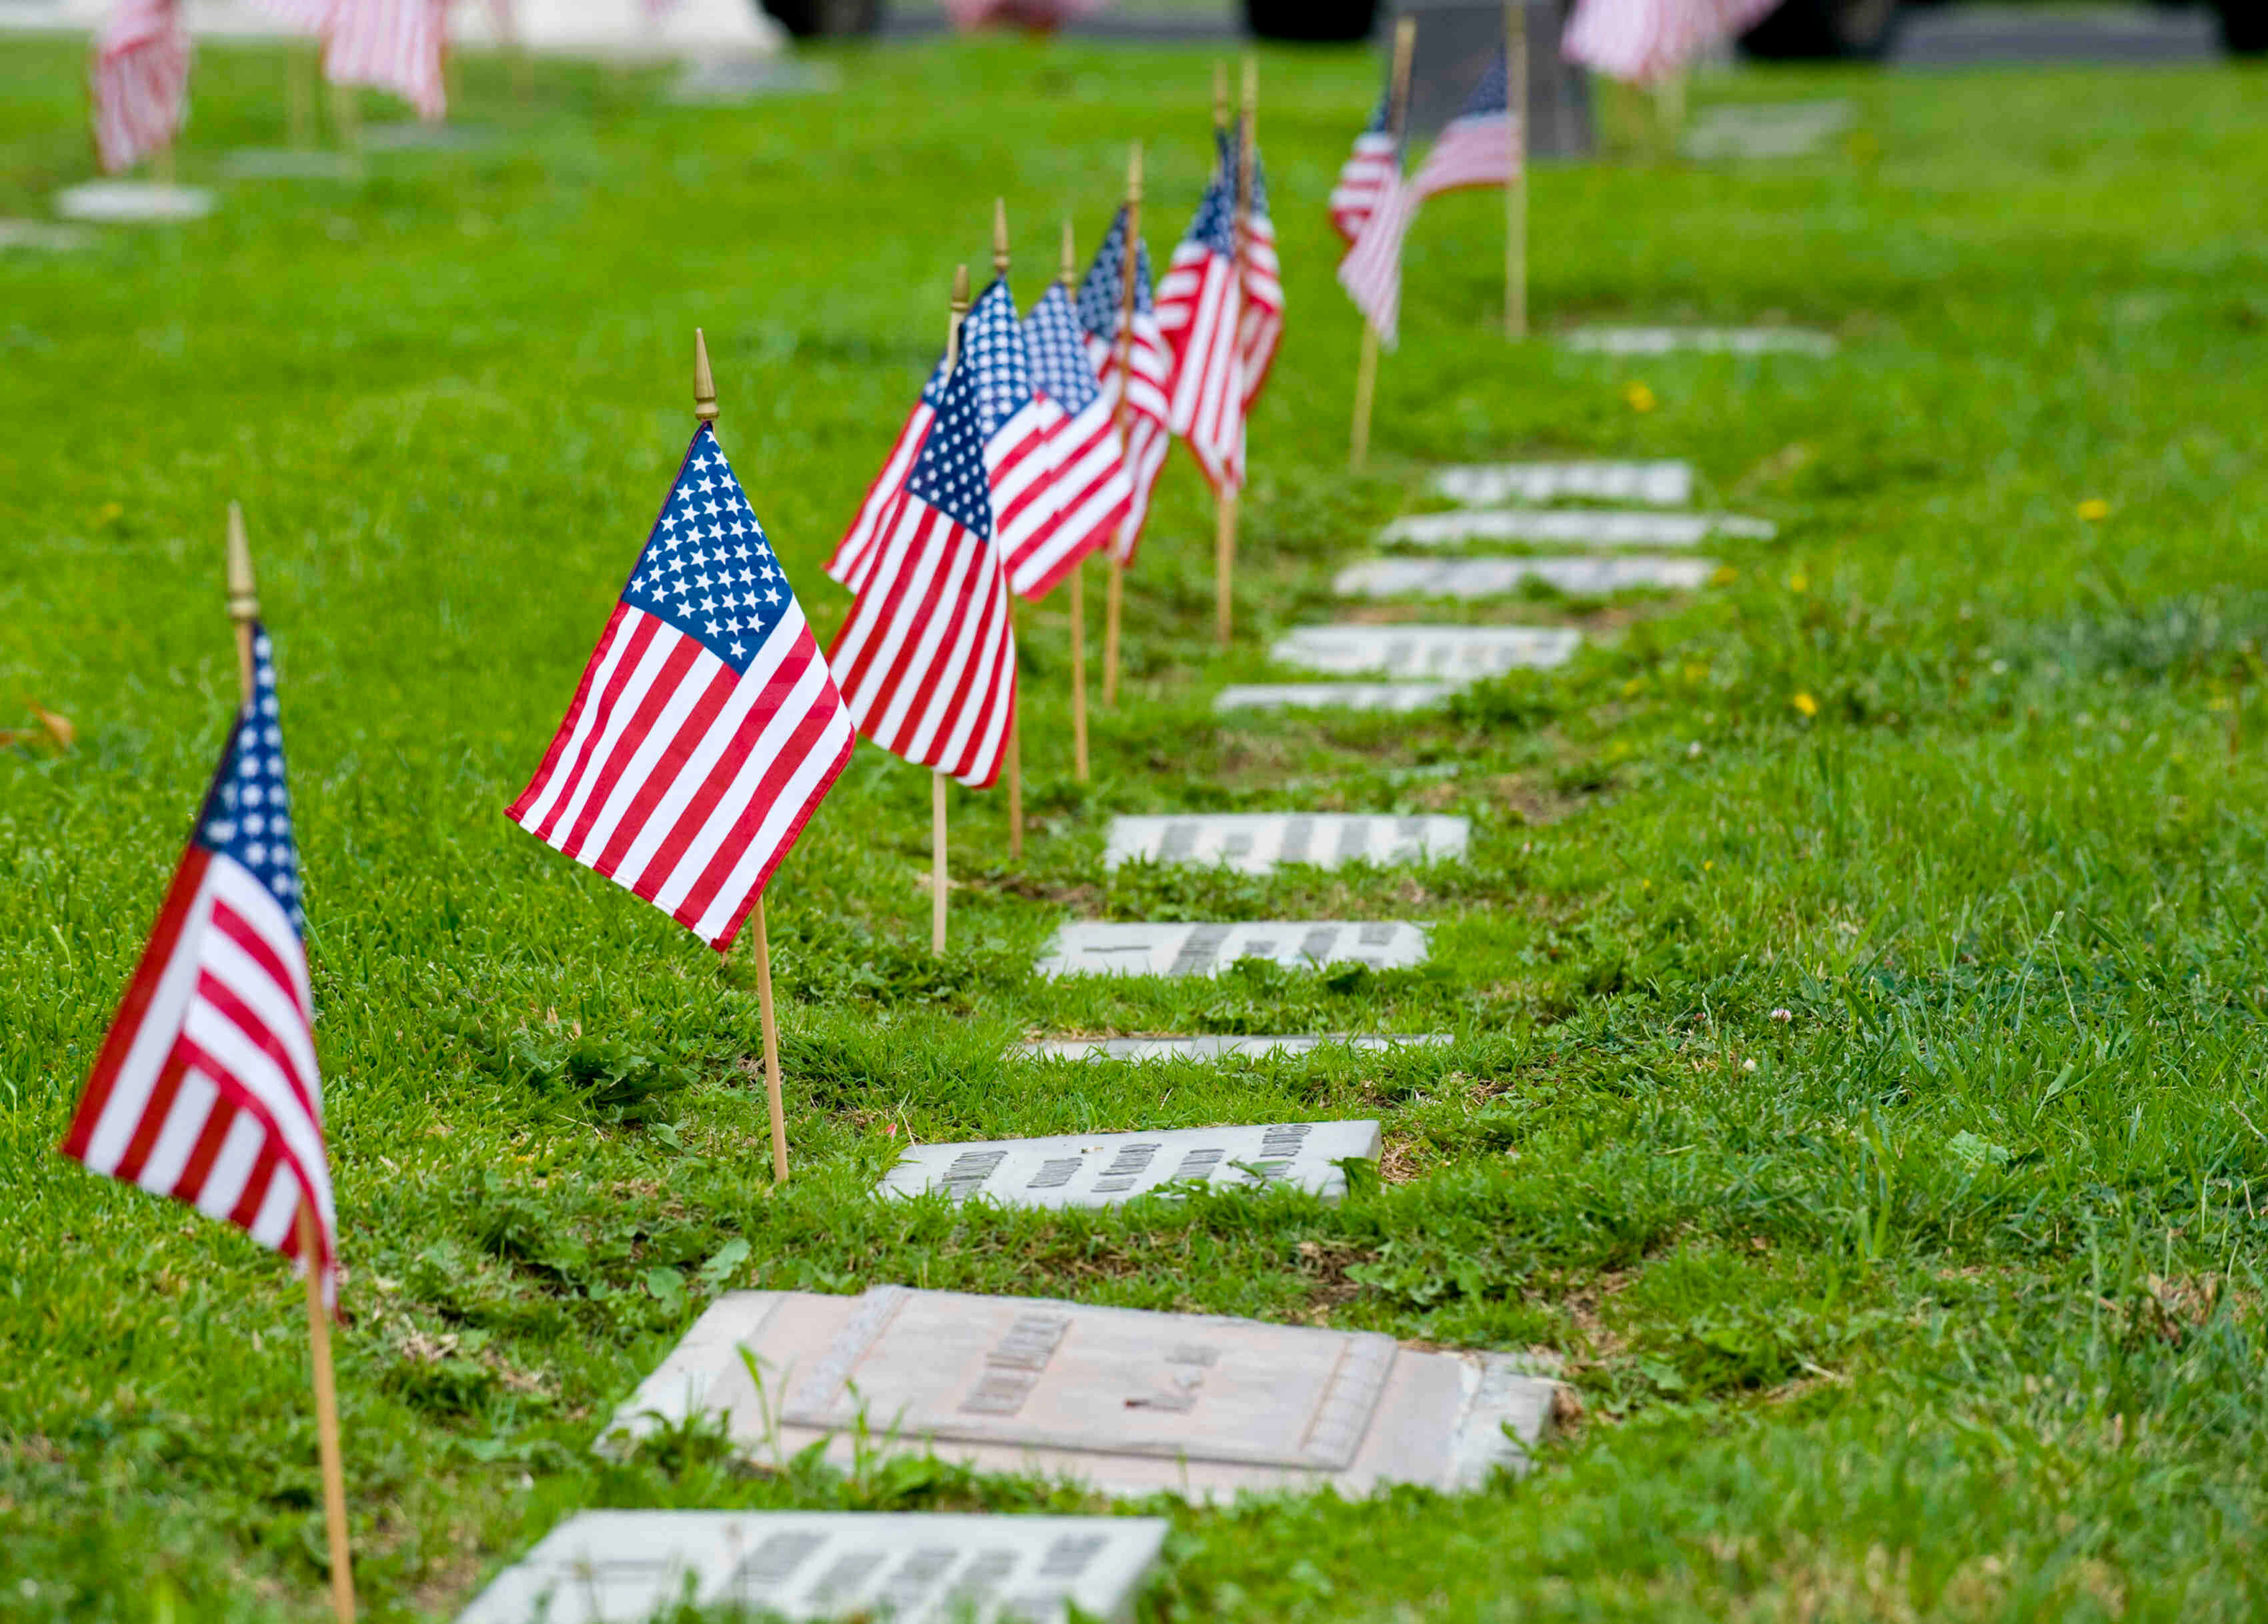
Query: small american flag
pixel 1016 426
pixel 1479 147
pixel 1363 175
pixel 1260 321
pixel 393 45
pixel 854 555
pixel 1149 367
pixel 206 1088
pixel 1093 493
pixel 1198 313
pixel 1648 40
pixel 927 658
pixel 1371 270
pixel 706 729
pixel 139 77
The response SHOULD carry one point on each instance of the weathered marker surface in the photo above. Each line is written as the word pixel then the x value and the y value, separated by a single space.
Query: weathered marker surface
pixel 1488 485
pixel 1090 947
pixel 1222 1045
pixel 1258 843
pixel 1395 698
pixel 1571 528
pixel 1501 578
pixel 1102 1170
pixel 1706 341
pixel 1455 653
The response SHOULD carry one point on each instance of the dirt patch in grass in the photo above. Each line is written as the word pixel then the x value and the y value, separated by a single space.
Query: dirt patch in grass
pixel 1402 1158
pixel 1324 1266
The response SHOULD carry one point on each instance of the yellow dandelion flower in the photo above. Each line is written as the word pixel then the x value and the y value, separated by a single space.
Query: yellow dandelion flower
pixel 1806 704
pixel 1641 397
pixel 2095 510
pixel 1799 582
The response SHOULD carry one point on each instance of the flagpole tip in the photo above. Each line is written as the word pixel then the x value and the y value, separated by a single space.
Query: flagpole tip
pixel 999 236
pixel 959 289
pixel 704 382
pixel 1134 173
pixel 243 595
pixel 1070 255
pixel 1220 95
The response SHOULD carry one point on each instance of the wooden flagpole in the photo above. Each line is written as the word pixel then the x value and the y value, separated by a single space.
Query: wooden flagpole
pixel 1515 187
pixel 937 844
pixel 244 609
pixel 1114 605
pixel 1397 108
pixel 704 408
pixel 1015 761
pixel 1225 537
pixel 1078 574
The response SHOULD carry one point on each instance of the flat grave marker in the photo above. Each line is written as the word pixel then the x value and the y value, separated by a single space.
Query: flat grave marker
pixel 1457 653
pixel 1700 340
pixel 1094 947
pixel 1394 698
pixel 1488 485
pixel 133 203
pixel 1128 1400
pixel 1103 1170
pixel 912 1568
pixel 1766 128
pixel 1258 843
pixel 1222 1045
pixel 289 163
pixel 1499 577
pixel 1572 526
pixel 43 237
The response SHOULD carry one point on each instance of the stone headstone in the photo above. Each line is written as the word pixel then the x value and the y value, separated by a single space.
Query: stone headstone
pixel 911 1568
pixel 1457 40
pixel 733 81
pixel 1102 1170
pixel 424 136
pixel 289 164
pixel 1127 1400
pixel 1221 1045
pixel 1705 341
pixel 1499 577
pixel 41 236
pixel 1092 947
pixel 133 203
pixel 1257 842
pixel 1395 698
pixel 1765 129
pixel 1488 485
pixel 1571 526
pixel 1458 653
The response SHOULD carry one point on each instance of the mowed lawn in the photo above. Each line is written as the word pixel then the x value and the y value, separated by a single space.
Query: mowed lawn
pixel 1939 1295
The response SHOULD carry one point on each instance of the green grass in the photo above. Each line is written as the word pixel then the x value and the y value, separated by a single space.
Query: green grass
pixel 1939 1298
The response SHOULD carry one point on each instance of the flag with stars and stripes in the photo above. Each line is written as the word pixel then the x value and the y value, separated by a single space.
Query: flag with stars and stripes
pixel 206 1087
pixel 927 656
pixel 392 45
pixel 854 555
pixel 1363 175
pixel 1260 319
pixel 1199 308
pixel 706 729
pixel 139 77
pixel 1478 147
pixel 1148 366
pixel 1017 429
pixel 1371 272
pixel 1648 39
pixel 1093 493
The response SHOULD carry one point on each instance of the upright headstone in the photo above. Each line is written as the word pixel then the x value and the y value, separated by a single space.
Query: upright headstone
pixel 1488 485
pixel 1501 578
pixel 910 1568
pixel 1103 1170
pixel 1094 947
pixel 1127 1400
pixel 1459 654
pixel 1392 698
pixel 1705 340
pixel 1456 41
pixel 1571 527
pixel 1222 1045
pixel 1258 843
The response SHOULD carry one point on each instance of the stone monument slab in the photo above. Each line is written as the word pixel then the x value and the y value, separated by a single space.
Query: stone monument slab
pixel 1500 578
pixel 1702 341
pixel 1493 484
pixel 1395 698
pixel 1221 1045
pixel 1126 1400
pixel 1573 527
pixel 44 237
pixel 1258 843
pixel 133 203
pixel 911 1568
pixel 1092 947
pixel 1102 1170
pixel 1460 653
pixel 289 164
pixel 1765 129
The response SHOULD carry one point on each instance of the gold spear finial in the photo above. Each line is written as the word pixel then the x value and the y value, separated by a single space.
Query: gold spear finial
pixel 960 289
pixel 999 237
pixel 243 594
pixel 705 382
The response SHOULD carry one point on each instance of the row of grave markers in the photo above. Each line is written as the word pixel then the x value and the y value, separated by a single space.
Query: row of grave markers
pixel 1133 1402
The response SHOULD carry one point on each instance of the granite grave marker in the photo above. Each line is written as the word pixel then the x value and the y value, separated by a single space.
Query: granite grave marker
pixel 1102 1170
pixel 1096 947
pixel 1499 577
pixel 1257 842
pixel 1459 653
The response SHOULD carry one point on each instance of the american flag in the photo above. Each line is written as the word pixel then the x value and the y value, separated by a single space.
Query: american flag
pixel 927 658
pixel 1198 312
pixel 1020 454
pixel 1479 147
pixel 1371 270
pixel 1149 367
pixel 139 78
pixel 1648 40
pixel 706 728
pixel 206 1088
pixel 1093 493
pixel 394 45
pixel 1363 175
pixel 854 555
pixel 1260 326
